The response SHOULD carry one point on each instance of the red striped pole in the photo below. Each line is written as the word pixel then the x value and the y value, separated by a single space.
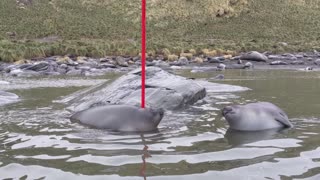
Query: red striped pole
pixel 143 52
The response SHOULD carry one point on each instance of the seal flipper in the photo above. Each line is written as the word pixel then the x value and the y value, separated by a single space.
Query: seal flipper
pixel 283 119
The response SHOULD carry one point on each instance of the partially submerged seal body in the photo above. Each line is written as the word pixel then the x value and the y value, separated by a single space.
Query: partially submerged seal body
pixel 124 118
pixel 255 117
pixel 237 138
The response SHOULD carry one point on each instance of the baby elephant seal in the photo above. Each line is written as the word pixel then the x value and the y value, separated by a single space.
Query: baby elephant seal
pixel 255 117
pixel 124 118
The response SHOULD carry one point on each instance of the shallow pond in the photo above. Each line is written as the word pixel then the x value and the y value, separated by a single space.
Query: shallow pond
pixel 39 142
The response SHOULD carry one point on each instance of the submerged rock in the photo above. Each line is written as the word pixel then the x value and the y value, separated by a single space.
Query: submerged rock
pixel 6 98
pixel 163 90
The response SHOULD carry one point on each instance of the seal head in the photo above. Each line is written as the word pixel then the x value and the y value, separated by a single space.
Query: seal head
pixel 255 117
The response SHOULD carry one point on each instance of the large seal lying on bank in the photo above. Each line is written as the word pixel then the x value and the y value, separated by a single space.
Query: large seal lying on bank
pixel 255 117
pixel 124 118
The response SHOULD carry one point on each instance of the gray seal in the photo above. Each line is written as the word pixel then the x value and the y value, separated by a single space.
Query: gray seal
pixel 123 118
pixel 255 117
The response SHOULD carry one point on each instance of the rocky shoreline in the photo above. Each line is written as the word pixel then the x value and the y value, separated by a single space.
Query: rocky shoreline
pixel 86 66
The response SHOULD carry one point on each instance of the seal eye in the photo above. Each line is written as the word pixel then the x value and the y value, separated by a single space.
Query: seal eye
pixel 227 110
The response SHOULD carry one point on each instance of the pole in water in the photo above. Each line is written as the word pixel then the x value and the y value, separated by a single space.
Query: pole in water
pixel 143 52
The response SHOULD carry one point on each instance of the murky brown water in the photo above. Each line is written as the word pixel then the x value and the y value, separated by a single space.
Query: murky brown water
pixel 37 141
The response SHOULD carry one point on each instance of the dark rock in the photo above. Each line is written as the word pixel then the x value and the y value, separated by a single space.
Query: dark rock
pixel 137 58
pixel 50 59
pixel 214 60
pixel 63 66
pixel 218 77
pixel 254 56
pixel 42 66
pixel 23 73
pixel 317 62
pixel 283 57
pixel 164 90
pixel 121 62
pixel 84 68
pixel 108 65
pixel 298 62
pixel 74 72
pixel 105 59
pixel 3 67
pixel 137 62
pixel 183 61
pixel 203 69
pixel 288 55
pixel 235 66
pixel 292 58
pixel 52 73
pixel 62 70
pixel 221 58
pixel 92 64
pixel 25 66
pixel 150 63
pixel 161 63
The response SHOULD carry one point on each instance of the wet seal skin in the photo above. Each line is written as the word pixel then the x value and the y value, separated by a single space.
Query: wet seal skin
pixel 123 118
pixel 256 117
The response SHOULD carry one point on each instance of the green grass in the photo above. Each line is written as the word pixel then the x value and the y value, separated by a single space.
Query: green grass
pixel 112 27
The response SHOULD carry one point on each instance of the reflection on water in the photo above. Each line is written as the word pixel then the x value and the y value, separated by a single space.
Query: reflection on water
pixel 237 138
pixel 38 141
pixel 145 155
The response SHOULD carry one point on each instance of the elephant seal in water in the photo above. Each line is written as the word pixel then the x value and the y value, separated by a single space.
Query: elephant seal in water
pixel 124 118
pixel 255 117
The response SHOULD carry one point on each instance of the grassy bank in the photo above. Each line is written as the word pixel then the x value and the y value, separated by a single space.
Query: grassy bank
pixel 112 27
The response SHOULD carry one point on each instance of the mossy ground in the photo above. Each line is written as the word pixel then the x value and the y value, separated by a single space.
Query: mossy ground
pixel 112 27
